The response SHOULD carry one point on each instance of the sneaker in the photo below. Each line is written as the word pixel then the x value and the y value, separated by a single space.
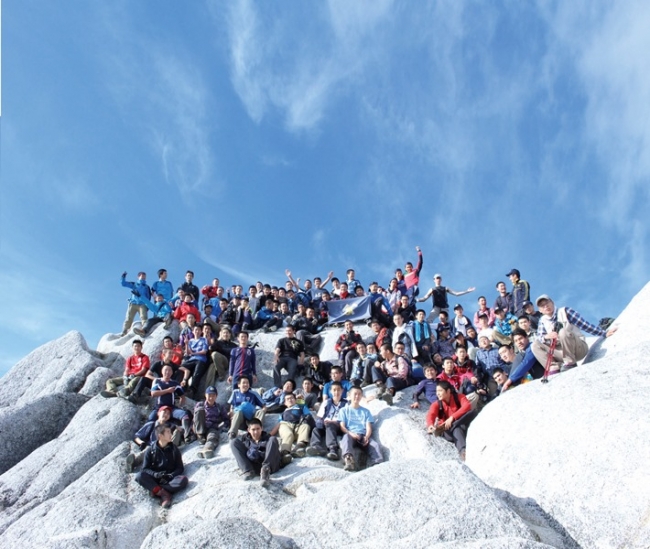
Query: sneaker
pixel 332 455
pixel 130 461
pixel 133 399
pixel 299 452
pixel 387 398
pixel 315 451
pixel 381 389
pixel 189 439
pixel 265 475
pixel 287 458
pixel 566 367
pixel 208 453
pixel 248 475
pixel 108 394
pixel 232 434
pixel 349 463
pixel 122 394
pixel 168 321
pixel 139 331
pixel 202 439
pixel 273 329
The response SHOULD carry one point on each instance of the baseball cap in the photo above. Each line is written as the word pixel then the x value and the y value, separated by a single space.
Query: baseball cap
pixel 513 272
pixel 211 390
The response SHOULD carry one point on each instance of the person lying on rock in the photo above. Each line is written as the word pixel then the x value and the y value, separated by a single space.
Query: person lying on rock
pixel 244 405
pixel 563 325
pixel 162 469
pixel 356 424
pixel 295 425
pixel 256 452
pixel 210 418
pixel 324 436
pixel 146 436
pixel 450 416
pixel 274 397
pixel 164 390
pixel 136 366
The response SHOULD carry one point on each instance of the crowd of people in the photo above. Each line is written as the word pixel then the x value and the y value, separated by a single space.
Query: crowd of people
pixel 458 363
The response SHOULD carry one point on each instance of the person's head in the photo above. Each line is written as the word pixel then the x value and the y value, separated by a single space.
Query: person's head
pixel 344 287
pixel 399 348
pixel 507 354
pixel 243 339
pixel 448 366
pixel 289 386
pixel 307 385
pixel 419 315
pixel 188 298
pixel 167 372
pixel 371 349
pixel 284 308
pixel 189 276
pixel 243 384
pixel 326 296
pixel 386 351
pixel 307 284
pixel 484 342
pixel 163 434
pixel 376 327
pixel 310 313
pixel 191 320
pixel 398 320
pixel 301 309
pixel 225 334
pixel 197 330
pixel 437 279
pixel 437 359
pixel 252 291
pixel 164 414
pixel 392 285
pixel 207 331
pixel 443 334
pixel 443 316
pixel 500 313
pixel 458 310
pixel 336 373
pixel 211 395
pixel 255 429
pixel 373 287
pixel 520 338
pixel 408 267
pixel 220 291
pixel 483 321
pixel 167 356
pixel 482 302
pixel 350 274
pixel 499 376
pixel 349 326
pixel 168 342
pixel 361 348
pixel 471 332
pixel 545 305
pixel 136 346
pixel 142 275
pixel 358 291
pixel 524 323
pixel 355 394
pixel 282 292
pixel 315 361
pixel 404 301
pixel 215 282
pixel 317 282
pixel 501 287
pixel 336 389
pixel 528 307
pixel 443 391
pixel 289 400
pixel 429 372
pixel 514 276
pixel 290 331
pixel 461 353
pixel 336 283
pixel 162 274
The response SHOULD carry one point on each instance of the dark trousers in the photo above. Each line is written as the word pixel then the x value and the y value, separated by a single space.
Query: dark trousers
pixel 326 437
pixel 149 483
pixel 198 369
pixel 211 435
pixel 458 432
pixel 150 323
pixel 271 456
pixel 288 363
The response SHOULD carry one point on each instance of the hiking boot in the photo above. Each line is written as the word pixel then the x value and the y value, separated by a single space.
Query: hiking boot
pixel 566 367
pixel 299 450
pixel 349 463
pixel 139 331
pixel 315 451
pixel 201 439
pixel 108 394
pixel 232 434
pixel 130 462
pixel 165 498
pixel 286 458
pixel 168 321
pixel 248 475
pixel 381 389
pixel 387 398
pixel 333 455
pixel 133 399
pixel 208 453
pixel 273 329
pixel 189 439
pixel 122 394
pixel 265 476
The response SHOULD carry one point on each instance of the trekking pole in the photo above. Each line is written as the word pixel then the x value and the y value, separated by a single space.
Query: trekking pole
pixel 549 360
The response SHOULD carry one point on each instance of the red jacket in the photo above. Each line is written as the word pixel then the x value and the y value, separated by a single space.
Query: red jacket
pixel 136 363
pixel 184 309
pixel 449 409
pixel 454 379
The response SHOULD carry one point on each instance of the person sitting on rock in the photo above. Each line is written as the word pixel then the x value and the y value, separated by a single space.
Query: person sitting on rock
pixel 165 390
pixel 289 356
pixel 487 359
pixel 244 405
pixel 162 468
pixel 294 425
pixel 146 436
pixel 532 315
pixel 242 362
pixel 336 375
pixel 324 435
pixel 155 372
pixel 162 312
pixel 346 346
pixel 392 374
pixel 427 387
pixel 356 422
pixel 523 363
pixel 136 366
pixel 445 343
pixel 449 373
pixel 196 359
pixel 362 364
pixel 503 326
pixel 177 350
pixel 210 418
pixel 450 416
pixel 307 394
pixel 319 371
pixel 563 325
pixel 256 452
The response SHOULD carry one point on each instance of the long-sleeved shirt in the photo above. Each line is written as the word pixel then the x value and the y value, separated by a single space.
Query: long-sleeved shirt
pixel 573 317
pixel 396 367
pixel 242 362
pixel 166 460
pixel 450 409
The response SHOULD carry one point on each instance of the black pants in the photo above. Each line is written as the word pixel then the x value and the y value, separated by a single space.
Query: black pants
pixel 289 364
pixel 326 437
pixel 149 483
pixel 458 432
pixel 271 456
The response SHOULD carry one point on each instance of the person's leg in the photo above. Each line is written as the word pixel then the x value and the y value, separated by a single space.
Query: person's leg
pixel 221 365
pixel 146 481
pixel 199 370
pixel 303 434
pixel 272 456
pixel 114 383
pixel 143 311
pixel 318 439
pixel 178 483
pixel 239 451
pixel 374 453
pixel 277 373
pixel 292 368
pixel 199 423
pixel 212 439
pixel 132 384
pixel 347 363
pixel 541 350
pixel 332 431
pixel 396 384
pixel 347 445
pixel 287 436
pixel 574 348
pixel 378 375
pixel 131 310
pixel 236 423
pixel 458 430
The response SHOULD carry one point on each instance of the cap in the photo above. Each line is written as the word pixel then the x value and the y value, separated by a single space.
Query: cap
pixel 437 275
pixel 514 272
pixel 211 390
pixel 542 298
pixel 458 306
pixel 498 309
pixel 165 408
pixel 526 303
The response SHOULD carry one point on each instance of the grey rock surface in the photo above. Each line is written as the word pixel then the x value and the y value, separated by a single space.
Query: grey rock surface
pixel 577 446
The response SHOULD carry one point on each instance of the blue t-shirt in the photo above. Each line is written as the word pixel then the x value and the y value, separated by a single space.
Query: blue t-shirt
pixel 238 398
pixel 355 419
pixel 346 384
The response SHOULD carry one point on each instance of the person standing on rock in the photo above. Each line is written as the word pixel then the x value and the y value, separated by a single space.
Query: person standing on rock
pixel 563 325
pixel 450 416
pixel 138 289
pixel 162 469
pixel 439 295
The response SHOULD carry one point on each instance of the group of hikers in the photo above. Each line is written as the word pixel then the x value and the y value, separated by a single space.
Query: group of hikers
pixel 458 363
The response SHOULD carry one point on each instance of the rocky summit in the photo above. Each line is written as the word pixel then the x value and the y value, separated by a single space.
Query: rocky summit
pixel 561 464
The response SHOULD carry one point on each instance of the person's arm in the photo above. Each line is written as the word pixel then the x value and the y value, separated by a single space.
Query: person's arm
pixel 427 296
pixel 454 292
pixel 432 415
pixel 329 277
pixel 574 318
pixel 277 355
pixel 420 261
pixel 273 432
pixel 293 282
pixel 301 358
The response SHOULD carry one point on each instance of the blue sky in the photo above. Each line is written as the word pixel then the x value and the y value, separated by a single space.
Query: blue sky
pixel 242 138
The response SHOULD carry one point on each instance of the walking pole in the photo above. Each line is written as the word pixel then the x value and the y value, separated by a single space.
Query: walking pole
pixel 549 360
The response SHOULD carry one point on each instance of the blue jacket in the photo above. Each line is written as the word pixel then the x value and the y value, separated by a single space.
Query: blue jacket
pixel 163 288
pixel 141 287
pixel 160 310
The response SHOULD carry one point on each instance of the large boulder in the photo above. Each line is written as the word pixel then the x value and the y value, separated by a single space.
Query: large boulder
pixel 577 446
pixel 27 426
pixel 97 428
